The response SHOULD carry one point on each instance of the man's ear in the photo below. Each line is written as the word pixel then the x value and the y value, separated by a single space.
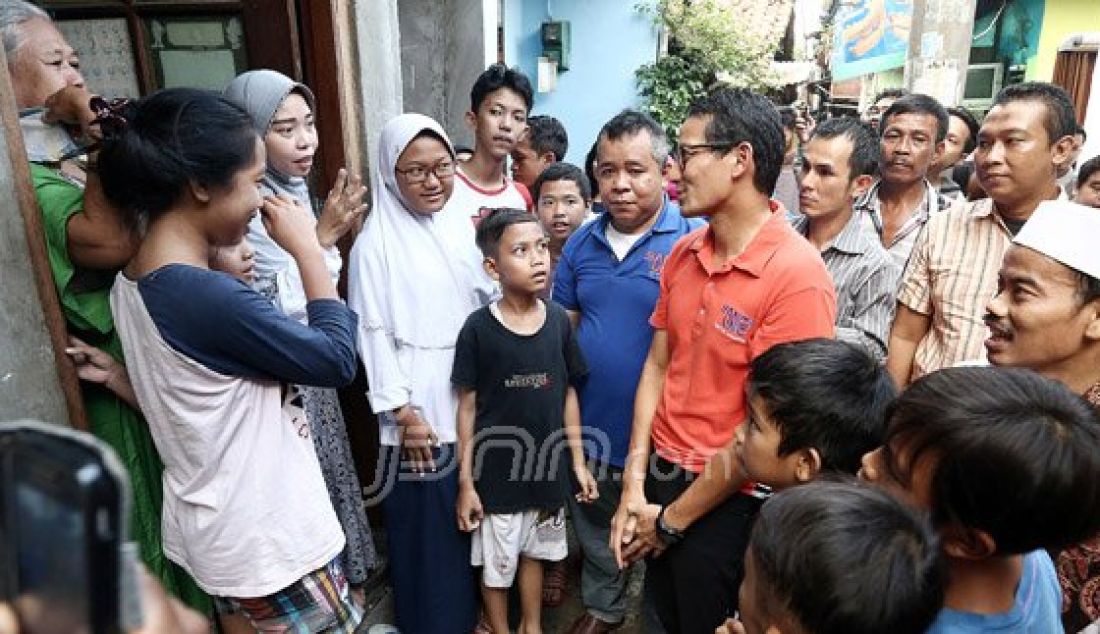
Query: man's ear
pixel 808 465
pixel 471 119
pixel 743 156
pixel 199 192
pixel 1061 152
pixel 961 542
pixel 938 152
pixel 548 157
pixel 861 184
pixel 490 266
pixel 1092 330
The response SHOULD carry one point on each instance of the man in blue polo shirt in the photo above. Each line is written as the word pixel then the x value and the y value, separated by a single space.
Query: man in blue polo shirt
pixel 608 279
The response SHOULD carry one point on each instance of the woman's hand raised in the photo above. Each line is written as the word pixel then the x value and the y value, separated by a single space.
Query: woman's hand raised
pixel 343 208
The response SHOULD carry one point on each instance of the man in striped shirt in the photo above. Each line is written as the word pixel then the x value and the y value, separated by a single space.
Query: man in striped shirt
pixel 838 164
pixel 952 273
pixel 897 206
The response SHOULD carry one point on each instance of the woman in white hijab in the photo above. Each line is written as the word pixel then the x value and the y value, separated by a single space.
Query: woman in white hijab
pixel 413 281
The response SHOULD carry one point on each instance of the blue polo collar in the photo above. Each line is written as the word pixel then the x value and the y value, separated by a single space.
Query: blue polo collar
pixel 666 223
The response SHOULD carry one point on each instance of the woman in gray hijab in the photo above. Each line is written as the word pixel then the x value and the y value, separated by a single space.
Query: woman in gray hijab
pixel 282 113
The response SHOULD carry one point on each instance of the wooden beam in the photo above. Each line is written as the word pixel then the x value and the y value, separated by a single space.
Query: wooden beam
pixel 322 75
pixel 271 36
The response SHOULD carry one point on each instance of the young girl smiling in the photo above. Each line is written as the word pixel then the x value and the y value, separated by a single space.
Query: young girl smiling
pixel 245 505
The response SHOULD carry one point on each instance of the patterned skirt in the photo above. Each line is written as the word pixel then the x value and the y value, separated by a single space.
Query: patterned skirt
pixel 330 439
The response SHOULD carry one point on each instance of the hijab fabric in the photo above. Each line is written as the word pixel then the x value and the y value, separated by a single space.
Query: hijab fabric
pixel 412 275
pixel 260 93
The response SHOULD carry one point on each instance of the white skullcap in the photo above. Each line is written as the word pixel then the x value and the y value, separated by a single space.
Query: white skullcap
pixel 1066 232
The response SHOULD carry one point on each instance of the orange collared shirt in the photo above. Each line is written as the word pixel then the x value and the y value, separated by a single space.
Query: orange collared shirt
pixel 719 319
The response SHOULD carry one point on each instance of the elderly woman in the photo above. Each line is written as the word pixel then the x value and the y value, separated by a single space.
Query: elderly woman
pixel 86 241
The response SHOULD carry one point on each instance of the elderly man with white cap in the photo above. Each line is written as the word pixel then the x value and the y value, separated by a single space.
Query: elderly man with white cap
pixel 1046 317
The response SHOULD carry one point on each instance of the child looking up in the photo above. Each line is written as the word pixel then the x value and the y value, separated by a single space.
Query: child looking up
pixel 282 113
pixel 838 558
pixel 515 365
pixel 1008 464
pixel 562 196
pixel 815 406
pixel 245 506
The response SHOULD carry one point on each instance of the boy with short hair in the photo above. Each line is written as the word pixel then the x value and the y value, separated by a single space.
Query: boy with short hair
pixel 815 406
pixel 839 558
pixel 544 144
pixel 499 103
pixel 562 195
pixel 1008 464
pixel 516 361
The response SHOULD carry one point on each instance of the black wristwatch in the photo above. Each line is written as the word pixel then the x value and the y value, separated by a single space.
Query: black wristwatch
pixel 667 534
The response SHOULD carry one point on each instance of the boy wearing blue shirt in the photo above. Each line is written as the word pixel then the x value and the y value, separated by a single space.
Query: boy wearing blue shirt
pixel 837 558
pixel 1008 464
pixel 516 361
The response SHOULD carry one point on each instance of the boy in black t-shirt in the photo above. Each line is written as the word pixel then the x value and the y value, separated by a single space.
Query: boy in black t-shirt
pixel 515 363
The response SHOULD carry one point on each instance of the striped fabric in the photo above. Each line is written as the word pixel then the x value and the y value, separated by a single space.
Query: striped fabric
pixel 866 282
pixel 951 276
pixel 868 208
pixel 318 602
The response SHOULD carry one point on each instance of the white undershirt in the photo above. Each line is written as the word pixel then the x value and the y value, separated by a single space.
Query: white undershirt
pixel 621 242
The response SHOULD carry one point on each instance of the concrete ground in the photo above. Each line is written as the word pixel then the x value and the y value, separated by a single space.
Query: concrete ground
pixel 554 620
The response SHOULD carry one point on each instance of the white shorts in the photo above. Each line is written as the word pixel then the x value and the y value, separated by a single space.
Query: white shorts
pixel 502 538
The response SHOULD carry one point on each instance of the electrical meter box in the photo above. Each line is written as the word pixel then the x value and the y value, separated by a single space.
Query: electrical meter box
pixel 555 42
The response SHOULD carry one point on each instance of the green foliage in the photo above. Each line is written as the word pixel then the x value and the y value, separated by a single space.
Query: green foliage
pixel 707 43
pixel 669 86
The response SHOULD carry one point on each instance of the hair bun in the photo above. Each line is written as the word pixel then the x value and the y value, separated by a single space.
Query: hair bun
pixel 112 117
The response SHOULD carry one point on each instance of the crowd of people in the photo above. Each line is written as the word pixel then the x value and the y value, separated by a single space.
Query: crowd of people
pixel 821 376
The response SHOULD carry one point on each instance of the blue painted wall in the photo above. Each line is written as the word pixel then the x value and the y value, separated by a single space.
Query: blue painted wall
pixel 610 40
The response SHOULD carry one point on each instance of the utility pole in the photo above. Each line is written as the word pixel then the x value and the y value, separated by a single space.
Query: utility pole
pixel 939 48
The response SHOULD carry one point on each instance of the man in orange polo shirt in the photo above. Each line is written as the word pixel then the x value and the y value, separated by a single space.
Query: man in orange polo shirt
pixel 729 291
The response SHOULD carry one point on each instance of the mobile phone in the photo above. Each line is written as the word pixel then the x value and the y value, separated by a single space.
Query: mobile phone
pixel 63 505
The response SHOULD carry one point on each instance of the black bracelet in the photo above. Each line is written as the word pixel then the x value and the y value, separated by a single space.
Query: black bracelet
pixel 667 534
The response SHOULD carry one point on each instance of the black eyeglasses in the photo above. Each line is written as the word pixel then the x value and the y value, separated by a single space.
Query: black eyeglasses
pixel 685 152
pixel 418 173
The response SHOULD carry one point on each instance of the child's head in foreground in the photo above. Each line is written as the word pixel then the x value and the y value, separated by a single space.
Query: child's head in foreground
pixel 837 557
pixel 813 406
pixel 562 195
pixel 1006 461
pixel 516 250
